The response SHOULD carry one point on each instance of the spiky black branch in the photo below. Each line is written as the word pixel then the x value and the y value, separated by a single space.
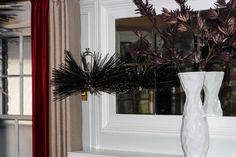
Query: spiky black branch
pixel 105 74
pixel 108 74
pixel 69 78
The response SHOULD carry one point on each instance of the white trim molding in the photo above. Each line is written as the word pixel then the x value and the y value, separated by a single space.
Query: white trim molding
pixel 115 153
pixel 104 129
pixel 89 39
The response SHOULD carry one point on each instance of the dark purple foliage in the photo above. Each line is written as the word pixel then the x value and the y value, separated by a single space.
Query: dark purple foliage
pixel 141 47
pixel 213 31
pixel 145 9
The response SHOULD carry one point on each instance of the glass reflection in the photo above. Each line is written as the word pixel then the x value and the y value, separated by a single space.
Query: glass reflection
pixel 167 97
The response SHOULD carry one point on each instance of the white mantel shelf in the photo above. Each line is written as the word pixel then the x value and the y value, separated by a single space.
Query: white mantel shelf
pixel 112 153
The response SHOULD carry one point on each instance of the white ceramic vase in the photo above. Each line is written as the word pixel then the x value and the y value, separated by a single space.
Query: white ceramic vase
pixel 212 84
pixel 194 130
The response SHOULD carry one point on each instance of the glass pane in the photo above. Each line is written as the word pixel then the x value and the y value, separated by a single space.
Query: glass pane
pixel 2 51
pixel 3 48
pixel 27 96
pixel 169 98
pixel 228 93
pixel 13 56
pixel 165 96
pixel 25 139
pixel 27 55
pixel 7 138
pixel 2 97
pixel 13 95
pixel 139 102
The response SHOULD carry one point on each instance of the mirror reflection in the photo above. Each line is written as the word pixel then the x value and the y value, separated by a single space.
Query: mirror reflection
pixel 166 97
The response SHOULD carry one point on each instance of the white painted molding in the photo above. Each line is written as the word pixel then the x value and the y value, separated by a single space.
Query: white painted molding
pixel 115 153
pixel 221 126
pixel 145 133
pixel 89 39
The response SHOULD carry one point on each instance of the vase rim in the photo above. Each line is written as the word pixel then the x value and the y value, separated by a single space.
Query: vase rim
pixel 192 72
pixel 214 71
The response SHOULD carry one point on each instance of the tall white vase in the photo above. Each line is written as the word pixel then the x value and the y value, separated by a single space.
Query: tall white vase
pixel 194 130
pixel 212 84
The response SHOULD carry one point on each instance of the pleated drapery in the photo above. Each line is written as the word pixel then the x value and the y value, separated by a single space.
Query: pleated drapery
pixel 40 77
pixel 65 116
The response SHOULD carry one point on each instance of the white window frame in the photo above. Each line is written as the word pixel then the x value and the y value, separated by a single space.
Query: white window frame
pixel 21 74
pixel 104 129
pixel 19 119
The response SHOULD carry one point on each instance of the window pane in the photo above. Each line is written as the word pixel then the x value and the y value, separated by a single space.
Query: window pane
pixel 7 138
pixel 27 96
pixel 138 102
pixel 2 98
pixel 13 95
pixel 25 139
pixel 13 56
pixel 166 96
pixel 27 55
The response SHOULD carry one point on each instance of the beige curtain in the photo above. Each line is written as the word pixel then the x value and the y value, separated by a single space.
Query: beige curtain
pixel 65 116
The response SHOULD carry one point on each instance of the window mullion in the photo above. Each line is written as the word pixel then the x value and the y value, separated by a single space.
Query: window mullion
pixel 17 138
pixel 21 62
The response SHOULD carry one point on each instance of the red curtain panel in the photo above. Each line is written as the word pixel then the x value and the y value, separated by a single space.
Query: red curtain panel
pixel 40 77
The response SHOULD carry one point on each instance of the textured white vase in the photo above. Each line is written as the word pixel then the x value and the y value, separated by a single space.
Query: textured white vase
pixel 212 84
pixel 194 130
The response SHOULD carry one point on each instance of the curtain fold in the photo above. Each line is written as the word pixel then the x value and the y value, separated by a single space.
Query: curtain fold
pixel 40 75
pixel 65 116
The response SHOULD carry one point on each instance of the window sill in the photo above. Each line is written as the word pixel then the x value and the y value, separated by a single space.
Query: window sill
pixel 16 117
pixel 113 153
